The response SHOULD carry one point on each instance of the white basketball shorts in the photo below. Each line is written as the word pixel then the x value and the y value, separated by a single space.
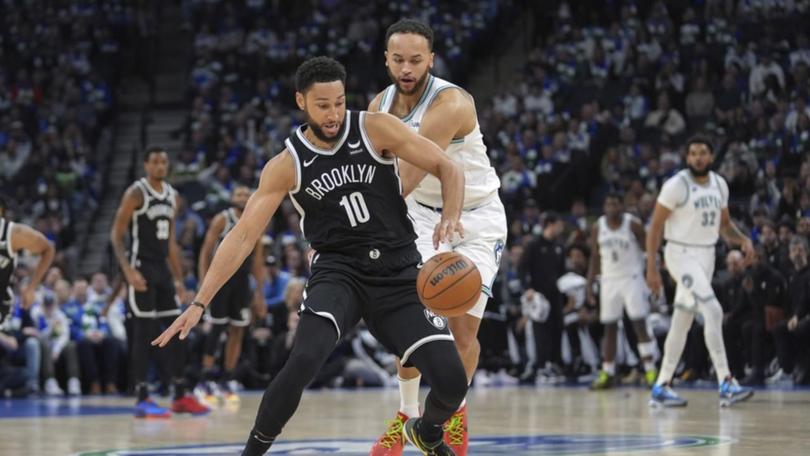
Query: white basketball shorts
pixel 483 243
pixel 619 293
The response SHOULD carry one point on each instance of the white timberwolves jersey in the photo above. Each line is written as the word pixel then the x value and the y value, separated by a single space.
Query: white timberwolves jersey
pixel 696 208
pixel 481 182
pixel 620 253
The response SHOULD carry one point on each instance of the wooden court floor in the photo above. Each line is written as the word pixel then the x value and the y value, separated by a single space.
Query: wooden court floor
pixel 508 420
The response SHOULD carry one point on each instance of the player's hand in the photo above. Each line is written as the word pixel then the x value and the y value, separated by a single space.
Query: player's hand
pixel 29 295
pixel 654 281
pixel 445 230
pixel 792 323
pixel 748 249
pixel 181 324
pixel 135 278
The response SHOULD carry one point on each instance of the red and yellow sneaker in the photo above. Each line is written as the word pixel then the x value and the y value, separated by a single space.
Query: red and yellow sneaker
pixel 392 442
pixel 455 432
pixel 189 404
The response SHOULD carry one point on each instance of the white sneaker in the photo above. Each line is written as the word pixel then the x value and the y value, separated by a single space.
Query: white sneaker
pixel 778 377
pixel 74 387
pixel 52 388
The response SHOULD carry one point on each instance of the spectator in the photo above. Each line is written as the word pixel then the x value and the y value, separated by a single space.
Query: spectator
pixel 95 343
pixel 542 263
pixel 794 334
pixel 665 118
pixel 54 332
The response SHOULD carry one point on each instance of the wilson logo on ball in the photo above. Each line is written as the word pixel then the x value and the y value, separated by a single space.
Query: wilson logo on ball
pixel 452 269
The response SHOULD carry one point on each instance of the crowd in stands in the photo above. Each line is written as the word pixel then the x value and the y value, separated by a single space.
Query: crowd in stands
pixel 605 100
pixel 58 66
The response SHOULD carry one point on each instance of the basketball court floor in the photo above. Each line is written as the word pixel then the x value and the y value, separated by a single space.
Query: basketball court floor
pixel 507 420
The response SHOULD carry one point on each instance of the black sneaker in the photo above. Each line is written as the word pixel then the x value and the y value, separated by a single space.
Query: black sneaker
pixel 411 431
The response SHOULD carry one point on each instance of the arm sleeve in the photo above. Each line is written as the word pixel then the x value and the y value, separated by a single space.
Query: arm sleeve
pixel 674 193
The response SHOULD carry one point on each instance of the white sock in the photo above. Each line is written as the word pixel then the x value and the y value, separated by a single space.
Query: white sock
pixel 713 335
pixel 647 351
pixel 673 347
pixel 409 396
pixel 609 367
pixel 463 403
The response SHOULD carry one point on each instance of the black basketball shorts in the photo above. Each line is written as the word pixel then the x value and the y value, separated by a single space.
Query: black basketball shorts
pixel 381 291
pixel 160 297
pixel 231 304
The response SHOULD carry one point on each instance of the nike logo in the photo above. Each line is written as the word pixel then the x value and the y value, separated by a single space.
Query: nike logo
pixel 354 145
pixel 309 162
pixel 419 266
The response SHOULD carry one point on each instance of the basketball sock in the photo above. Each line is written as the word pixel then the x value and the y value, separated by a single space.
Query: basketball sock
pixel 141 391
pixel 673 347
pixel 609 367
pixel 647 352
pixel 179 388
pixel 713 335
pixel 257 444
pixel 409 396
pixel 463 403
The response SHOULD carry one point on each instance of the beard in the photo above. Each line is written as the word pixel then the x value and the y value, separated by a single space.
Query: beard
pixel 318 131
pixel 416 87
pixel 699 173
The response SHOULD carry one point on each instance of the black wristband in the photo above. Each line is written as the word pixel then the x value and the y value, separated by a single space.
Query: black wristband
pixel 198 304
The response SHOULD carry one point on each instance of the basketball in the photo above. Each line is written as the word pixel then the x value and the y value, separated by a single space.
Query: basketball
pixel 449 284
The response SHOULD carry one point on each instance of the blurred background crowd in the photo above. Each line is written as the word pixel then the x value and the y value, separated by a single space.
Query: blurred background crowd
pixel 599 100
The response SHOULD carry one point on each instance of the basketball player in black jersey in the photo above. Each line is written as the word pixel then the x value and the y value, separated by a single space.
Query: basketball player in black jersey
pixel 340 170
pixel 231 306
pixel 13 238
pixel 147 210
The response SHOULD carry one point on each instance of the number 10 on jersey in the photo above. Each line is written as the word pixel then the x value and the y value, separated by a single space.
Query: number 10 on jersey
pixel 356 209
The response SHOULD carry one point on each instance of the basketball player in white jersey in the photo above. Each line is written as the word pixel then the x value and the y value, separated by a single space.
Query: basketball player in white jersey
pixel 692 213
pixel 445 114
pixel 617 243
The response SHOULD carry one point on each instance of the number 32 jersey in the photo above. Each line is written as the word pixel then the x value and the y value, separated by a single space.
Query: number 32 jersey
pixel 696 208
pixel 151 223
pixel 349 197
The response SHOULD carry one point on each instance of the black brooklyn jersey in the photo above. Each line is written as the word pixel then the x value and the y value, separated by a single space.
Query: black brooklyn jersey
pixel 230 222
pixel 8 259
pixel 349 197
pixel 151 223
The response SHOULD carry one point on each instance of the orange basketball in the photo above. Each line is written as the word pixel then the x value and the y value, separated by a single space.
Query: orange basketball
pixel 449 284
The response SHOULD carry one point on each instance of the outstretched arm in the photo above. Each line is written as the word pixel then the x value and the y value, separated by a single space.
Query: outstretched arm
pixel 277 178
pixel 452 112
pixel 389 134
pixel 26 238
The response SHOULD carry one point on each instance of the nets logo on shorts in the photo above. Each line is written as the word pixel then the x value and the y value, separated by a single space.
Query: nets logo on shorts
pixel 512 445
pixel 437 321
pixel 687 280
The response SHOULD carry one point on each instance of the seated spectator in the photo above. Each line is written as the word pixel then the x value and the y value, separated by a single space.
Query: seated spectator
pixel 12 378
pixel 665 118
pixel 53 330
pixel 96 346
